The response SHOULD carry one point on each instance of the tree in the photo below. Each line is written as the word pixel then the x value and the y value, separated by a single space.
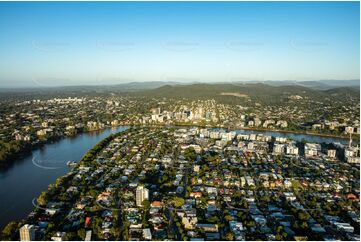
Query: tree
pixel 229 236
pixel 70 236
pixel 50 227
pixel 250 224
pixel 240 214
pixel 42 199
pixel 304 225
pixel 237 195
pixel 212 219
pixel 189 154
pixel 178 202
pixel 228 218
pixel 146 204
pixel 81 233
pixel 9 232
pixel 303 216
pixel 278 237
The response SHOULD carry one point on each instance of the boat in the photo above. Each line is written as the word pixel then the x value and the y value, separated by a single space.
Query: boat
pixel 71 163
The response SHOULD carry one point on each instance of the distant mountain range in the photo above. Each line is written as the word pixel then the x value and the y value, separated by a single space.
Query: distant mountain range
pixel 125 87
pixel 242 92
pixel 235 92
pixel 320 85
pixel 136 86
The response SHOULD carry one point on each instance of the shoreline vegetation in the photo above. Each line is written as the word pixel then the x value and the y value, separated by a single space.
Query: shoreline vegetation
pixel 22 149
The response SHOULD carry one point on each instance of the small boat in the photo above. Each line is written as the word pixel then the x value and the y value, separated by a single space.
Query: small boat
pixel 71 163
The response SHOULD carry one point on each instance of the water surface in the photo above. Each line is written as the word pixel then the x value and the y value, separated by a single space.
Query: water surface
pixel 31 175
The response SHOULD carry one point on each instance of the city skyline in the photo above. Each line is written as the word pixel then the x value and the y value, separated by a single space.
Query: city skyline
pixel 92 43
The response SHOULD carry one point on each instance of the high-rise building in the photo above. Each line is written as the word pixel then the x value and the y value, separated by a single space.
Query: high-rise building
pixel 312 149
pixel 141 194
pixel 331 153
pixel 278 148
pixel 27 232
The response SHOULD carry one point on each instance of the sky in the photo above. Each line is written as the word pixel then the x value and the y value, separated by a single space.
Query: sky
pixel 98 43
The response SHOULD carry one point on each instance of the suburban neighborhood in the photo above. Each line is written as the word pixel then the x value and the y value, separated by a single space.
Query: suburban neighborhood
pixel 202 184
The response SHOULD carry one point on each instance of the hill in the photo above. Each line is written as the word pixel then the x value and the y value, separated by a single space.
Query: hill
pixel 244 92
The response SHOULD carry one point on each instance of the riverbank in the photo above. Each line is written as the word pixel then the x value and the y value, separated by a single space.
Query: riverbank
pixel 28 148
pixel 31 174
pixel 344 137
pixel 23 153
pixel 303 132
pixel 25 149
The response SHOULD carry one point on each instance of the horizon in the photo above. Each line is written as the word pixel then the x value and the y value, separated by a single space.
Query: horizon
pixel 333 84
pixel 112 43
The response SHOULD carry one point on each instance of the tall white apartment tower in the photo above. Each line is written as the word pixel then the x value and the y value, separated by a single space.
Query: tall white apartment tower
pixel 27 233
pixel 141 194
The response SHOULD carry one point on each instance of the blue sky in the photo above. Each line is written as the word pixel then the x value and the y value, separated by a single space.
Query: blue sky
pixel 77 43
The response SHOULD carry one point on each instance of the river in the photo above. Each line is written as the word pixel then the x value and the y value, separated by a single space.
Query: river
pixel 31 175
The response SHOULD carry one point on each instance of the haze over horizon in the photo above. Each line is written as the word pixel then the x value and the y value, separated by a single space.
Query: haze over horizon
pixel 102 43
